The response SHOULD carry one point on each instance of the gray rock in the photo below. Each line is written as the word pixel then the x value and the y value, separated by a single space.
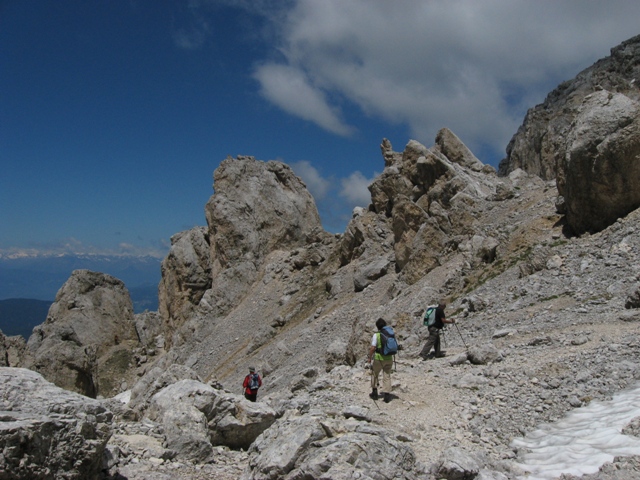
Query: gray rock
pixel 456 151
pixel 357 412
pixel 149 328
pixel 367 274
pixel 299 447
pixel 196 417
pixel 47 432
pixel 155 380
pixel 470 381
pixel 484 354
pixel 633 300
pixel 503 333
pixel 86 343
pixel 540 143
pixel 458 359
pixel 186 276
pixel 600 168
pixel 457 464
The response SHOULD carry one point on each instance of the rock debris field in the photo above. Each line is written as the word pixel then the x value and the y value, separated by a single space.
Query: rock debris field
pixel 536 362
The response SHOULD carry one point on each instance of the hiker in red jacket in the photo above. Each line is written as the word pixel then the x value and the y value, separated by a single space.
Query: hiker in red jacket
pixel 251 384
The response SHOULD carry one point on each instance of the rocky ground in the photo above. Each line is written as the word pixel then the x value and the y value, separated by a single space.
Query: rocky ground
pixel 555 337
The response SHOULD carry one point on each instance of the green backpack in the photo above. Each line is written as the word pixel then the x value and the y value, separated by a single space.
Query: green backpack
pixel 429 317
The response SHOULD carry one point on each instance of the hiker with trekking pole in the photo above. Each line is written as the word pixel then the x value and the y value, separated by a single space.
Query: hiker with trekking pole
pixel 381 351
pixel 435 319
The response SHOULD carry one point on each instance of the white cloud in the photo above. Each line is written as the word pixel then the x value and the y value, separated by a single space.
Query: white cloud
pixel 289 88
pixel 355 189
pixel 316 184
pixel 473 66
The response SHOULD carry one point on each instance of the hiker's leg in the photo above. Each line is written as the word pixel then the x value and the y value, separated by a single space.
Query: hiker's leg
pixel 436 345
pixel 387 366
pixel 377 366
pixel 431 340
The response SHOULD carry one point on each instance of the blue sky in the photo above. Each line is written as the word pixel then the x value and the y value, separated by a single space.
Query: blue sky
pixel 115 113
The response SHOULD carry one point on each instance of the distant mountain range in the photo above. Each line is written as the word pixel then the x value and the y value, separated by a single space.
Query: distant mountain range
pixel 28 284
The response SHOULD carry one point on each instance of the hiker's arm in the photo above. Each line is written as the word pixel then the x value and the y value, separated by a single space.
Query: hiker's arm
pixel 372 350
pixel 448 320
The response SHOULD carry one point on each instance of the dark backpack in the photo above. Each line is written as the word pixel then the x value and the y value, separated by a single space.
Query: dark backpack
pixel 388 341
pixel 254 381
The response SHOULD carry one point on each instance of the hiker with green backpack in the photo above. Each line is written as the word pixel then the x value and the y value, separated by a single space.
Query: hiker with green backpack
pixel 383 347
pixel 434 318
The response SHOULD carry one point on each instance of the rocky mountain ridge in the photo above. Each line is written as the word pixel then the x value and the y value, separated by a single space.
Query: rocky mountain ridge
pixel 547 322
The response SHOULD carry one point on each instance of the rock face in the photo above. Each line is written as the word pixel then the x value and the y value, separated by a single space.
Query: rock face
pixel 586 135
pixel 273 269
pixel 11 350
pixel 186 276
pixel 257 207
pixel 429 200
pixel 600 178
pixel 48 432
pixel 86 344
pixel 539 146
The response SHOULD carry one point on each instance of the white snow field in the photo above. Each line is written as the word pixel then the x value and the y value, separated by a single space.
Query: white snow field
pixel 582 441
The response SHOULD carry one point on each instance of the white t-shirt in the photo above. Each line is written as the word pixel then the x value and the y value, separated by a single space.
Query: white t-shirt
pixel 374 340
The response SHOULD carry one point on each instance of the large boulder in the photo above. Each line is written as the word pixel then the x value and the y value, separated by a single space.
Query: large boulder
pixel 317 447
pixel 539 146
pixel 86 343
pixel 156 379
pixel 196 416
pixel 48 432
pixel 600 179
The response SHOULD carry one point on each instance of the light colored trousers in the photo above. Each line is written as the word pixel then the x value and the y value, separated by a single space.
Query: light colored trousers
pixel 385 366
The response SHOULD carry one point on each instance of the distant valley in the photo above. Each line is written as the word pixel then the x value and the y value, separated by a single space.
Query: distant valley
pixel 18 316
pixel 28 285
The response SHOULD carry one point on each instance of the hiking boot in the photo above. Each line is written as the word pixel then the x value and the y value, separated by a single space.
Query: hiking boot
pixel 440 354
pixel 387 397
pixel 374 394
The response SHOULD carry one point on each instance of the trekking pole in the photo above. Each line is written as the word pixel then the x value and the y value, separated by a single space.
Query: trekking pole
pixel 461 338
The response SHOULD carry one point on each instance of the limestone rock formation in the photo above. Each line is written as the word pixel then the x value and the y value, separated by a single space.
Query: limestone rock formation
pixel 48 432
pixel 539 146
pixel 430 199
pixel 425 211
pixel 601 169
pixel 86 343
pixel 186 276
pixel 257 208
pixel 12 350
